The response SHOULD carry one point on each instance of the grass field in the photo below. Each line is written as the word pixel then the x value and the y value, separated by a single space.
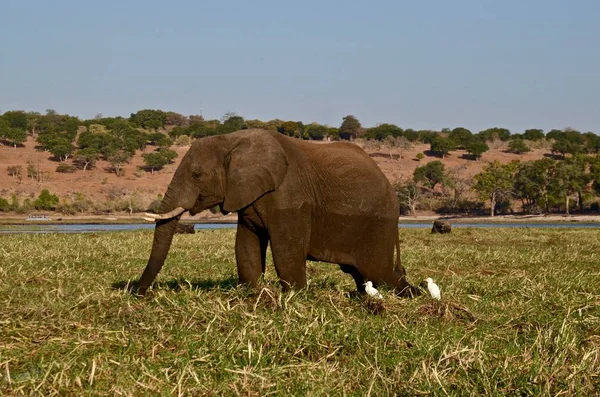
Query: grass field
pixel 520 314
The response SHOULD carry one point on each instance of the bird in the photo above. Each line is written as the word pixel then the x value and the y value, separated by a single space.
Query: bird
pixel 372 291
pixel 433 289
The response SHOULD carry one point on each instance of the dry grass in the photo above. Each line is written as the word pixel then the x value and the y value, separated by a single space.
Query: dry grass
pixel 520 314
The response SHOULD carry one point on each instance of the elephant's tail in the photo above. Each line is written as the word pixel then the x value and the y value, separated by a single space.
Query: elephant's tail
pixel 399 268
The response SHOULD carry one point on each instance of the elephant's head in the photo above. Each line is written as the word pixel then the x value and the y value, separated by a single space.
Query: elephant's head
pixel 230 170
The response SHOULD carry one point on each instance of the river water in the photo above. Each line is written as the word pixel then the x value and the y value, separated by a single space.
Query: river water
pixel 32 229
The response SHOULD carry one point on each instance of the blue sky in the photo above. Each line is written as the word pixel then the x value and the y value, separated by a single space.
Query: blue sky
pixel 423 65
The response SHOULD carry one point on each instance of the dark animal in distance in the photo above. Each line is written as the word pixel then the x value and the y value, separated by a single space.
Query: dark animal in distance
pixel 441 227
pixel 185 228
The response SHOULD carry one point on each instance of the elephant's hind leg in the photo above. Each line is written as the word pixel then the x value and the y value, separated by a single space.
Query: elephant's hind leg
pixel 398 281
pixel 250 254
pixel 358 278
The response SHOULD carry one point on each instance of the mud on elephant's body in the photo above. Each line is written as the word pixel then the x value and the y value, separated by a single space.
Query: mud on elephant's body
pixel 324 202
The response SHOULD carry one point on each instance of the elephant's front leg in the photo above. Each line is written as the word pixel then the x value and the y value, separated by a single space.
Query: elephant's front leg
pixel 289 234
pixel 250 254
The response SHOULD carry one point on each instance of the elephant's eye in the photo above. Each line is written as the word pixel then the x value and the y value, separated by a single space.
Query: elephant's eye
pixel 196 175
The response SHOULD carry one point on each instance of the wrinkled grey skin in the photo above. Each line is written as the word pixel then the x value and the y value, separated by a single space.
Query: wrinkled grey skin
pixel 325 202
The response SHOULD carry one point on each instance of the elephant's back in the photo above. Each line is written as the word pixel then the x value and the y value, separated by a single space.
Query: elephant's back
pixel 346 177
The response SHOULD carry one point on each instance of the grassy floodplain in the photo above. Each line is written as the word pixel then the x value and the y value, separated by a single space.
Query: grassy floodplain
pixel 520 314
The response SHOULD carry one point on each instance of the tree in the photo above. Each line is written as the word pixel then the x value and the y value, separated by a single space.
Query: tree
pixel 564 146
pixel 230 122
pixel 117 159
pixel 154 161
pixel 592 142
pixel 65 168
pixel 4 205
pixel 595 174
pixel 160 139
pixel 409 194
pixel 158 159
pixel 442 146
pixel 179 131
pixel 86 158
pixel 11 135
pixel 16 171
pixel 61 149
pixel 476 147
pixel 148 119
pixel 333 133
pixel 175 119
pixel 425 136
pixel 316 132
pixel 569 177
pixel 16 119
pixel 46 201
pixel 455 186
pixel 195 118
pixel 531 184
pixel 291 128
pixel 384 130
pixel 518 146
pixel 461 137
pixel 350 128
pixel 495 182
pixel 494 133
pixel 168 154
pixel 400 143
pixel 533 134
pixel 430 174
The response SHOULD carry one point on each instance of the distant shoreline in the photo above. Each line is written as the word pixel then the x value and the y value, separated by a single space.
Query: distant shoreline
pixel 12 219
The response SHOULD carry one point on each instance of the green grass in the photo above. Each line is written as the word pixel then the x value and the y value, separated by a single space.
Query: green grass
pixel 520 314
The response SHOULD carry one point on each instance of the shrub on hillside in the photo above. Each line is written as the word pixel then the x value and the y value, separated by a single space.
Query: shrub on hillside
pixel 78 204
pixel 183 140
pixel 517 146
pixel 46 201
pixel 66 168
pixel 155 205
pixel 23 209
pixel 4 205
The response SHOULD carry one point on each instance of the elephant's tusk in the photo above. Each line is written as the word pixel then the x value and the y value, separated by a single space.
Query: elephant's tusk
pixel 171 214
pixel 149 219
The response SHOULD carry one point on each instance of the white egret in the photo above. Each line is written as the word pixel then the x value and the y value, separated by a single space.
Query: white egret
pixel 372 291
pixel 433 289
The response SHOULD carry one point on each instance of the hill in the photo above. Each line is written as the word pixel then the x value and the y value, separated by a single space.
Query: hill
pixel 136 189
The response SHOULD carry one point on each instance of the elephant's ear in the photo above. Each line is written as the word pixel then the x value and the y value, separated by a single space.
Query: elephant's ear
pixel 255 166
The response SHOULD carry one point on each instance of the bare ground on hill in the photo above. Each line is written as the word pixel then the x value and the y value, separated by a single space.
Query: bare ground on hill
pixel 99 185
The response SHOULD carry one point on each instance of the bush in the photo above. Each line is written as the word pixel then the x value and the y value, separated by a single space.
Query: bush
pixel 183 140
pixel 420 156
pixel 155 205
pixel 66 168
pixel 476 148
pixel 45 201
pixel 4 205
pixel 25 208
pixel 78 205
pixel 517 146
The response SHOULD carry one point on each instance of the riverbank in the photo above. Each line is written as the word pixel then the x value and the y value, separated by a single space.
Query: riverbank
pixel 552 218
pixel 208 217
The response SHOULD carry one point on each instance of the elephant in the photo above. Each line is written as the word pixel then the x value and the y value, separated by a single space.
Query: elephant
pixel 325 202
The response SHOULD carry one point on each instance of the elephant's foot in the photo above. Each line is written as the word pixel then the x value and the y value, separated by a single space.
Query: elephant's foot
pixel 358 278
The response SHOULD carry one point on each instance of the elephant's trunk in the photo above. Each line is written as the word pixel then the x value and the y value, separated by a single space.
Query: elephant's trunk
pixel 163 237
